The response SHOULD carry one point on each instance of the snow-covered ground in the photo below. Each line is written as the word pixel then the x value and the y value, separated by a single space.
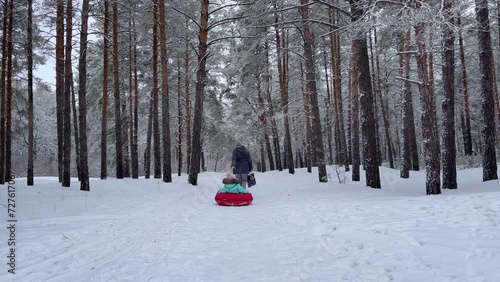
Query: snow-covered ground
pixel 297 229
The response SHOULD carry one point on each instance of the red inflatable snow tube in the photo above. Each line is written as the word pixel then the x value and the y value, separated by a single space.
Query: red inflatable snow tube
pixel 233 199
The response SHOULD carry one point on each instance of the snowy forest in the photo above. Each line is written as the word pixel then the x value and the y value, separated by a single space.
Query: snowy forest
pixel 157 88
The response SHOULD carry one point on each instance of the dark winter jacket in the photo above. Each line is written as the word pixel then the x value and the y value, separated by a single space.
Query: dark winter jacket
pixel 241 161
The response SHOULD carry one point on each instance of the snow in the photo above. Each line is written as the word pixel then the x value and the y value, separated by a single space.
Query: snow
pixel 297 229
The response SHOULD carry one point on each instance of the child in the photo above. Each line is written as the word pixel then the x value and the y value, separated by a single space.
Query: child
pixel 232 185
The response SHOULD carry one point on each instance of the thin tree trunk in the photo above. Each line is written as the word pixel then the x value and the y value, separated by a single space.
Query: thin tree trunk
pixel 82 100
pixel 307 112
pixel 59 84
pixel 263 121
pixel 382 106
pixel 147 151
pixel 66 173
pixel 75 127
pixel 354 91
pixel 282 77
pixel 448 104
pixel 125 133
pixel 378 139
pixel 465 92
pixel 31 138
pixel 406 109
pixel 187 106
pixel 274 127
pixel 116 93
pixel 167 154
pixel 179 119
pixel 135 118
pixel 104 109
pixel 156 123
pixel 8 107
pixel 487 99
pixel 429 123
pixel 328 109
pixel 3 97
pixel 311 81
pixel 201 76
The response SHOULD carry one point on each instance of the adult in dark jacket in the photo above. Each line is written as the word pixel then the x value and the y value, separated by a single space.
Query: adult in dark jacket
pixel 241 163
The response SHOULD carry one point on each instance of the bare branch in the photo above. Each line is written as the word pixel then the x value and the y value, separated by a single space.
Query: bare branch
pixel 223 21
pixel 187 16
pixel 229 37
pixel 409 80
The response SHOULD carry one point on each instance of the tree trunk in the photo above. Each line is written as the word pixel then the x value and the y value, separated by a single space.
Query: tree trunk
pixel 311 81
pixel 383 108
pixel 274 127
pixel 116 93
pixel 135 118
pixel 307 112
pixel 429 122
pixel 467 130
pixel 156 123
pixel 448 104
pixel 82 100
pixel 3 174
pixel 147 151
pixel 75 127
pixel 406 109
pixel 378 139
pixel 104 109
pixel 263 121
pixel 29 50
pixel 487 100
pixel 282 77
pixel 167 154
pixel 66 172
pixel 187 106
pixel 59 84
pixel 125 134
pixel 328 109
pixel 201 76
pixel 368 127
pixel 179 119
pixel 354 91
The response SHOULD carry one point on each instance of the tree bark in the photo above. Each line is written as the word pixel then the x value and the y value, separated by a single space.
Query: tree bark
pixel 406 109
pixel 187 106
pixel 167 154
pixel 3 174
pixel 368 127
pixel 311 81
pixel 448 104
pixel 104 109
pixel 59 84
pixel 487 100
pixel 66 170
pixel 156 123
pixel 116 93
pixel 429 123
pixel 307 112
pixel 179 119
pixel 82 99
pixel 467 135
pixel 29 50
pixel 135 114
pixel 282 77
pixel 201 77
pixel 75 127
pixel 354 91
pixel 274 128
